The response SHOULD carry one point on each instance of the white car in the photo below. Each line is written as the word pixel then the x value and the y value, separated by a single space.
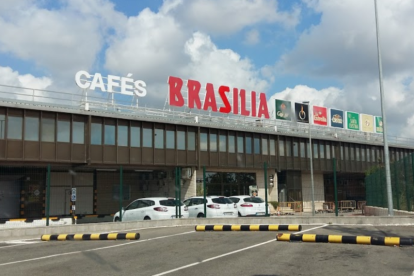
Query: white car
pixel 151 208
pixel 217 207
pixel 250 205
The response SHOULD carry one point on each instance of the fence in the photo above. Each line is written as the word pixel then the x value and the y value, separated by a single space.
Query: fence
pixel 402 185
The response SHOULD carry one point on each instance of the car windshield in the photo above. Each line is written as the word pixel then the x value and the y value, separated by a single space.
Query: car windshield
pixel 169 202
pixel 222 200
pixel 253 200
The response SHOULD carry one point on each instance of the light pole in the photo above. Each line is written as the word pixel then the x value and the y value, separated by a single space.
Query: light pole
pixel 384 125
pixel 311 157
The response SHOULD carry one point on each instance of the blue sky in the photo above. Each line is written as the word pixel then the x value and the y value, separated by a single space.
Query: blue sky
pixel 323 51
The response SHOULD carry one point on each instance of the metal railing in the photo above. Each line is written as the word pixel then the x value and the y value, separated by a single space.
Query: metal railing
pixel 81 101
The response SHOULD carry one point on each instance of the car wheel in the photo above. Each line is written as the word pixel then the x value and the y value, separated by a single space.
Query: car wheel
pixel 117 219
pixel 201 215
pixel 147 218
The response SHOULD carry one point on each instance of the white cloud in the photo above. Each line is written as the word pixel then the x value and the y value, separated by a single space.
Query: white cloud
pixel 252 37
pixel 226 17
pixel 13 78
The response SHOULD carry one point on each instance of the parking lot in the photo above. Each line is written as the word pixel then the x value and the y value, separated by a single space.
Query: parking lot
pixel 181 250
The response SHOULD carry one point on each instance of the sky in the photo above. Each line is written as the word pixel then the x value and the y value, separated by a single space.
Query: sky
pixel 322 51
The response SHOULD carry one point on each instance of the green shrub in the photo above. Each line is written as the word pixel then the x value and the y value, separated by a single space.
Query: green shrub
pixel 274 204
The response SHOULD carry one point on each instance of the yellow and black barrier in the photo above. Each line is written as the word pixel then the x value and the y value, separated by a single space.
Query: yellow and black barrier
pixel 391 241
pixel 88 237
pixel 270 227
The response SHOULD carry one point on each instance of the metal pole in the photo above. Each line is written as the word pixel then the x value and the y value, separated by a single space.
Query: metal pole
pixel 311 159
pixel 204 191
pixel 179 193
pixel 47 194
pixel 335 187
pixel 175 192
pixel 265 183
pixel 121 193
pixel 384 125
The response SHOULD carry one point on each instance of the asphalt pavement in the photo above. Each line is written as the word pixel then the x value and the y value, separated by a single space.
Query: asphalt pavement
pixel 180 250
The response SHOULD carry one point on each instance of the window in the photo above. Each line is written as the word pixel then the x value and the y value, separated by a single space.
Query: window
pixel 282 147
pixel 352 150
pixel 181 140
pixel 223 144
pixel 322 151
pixel 368 154
pixel 240 144
pixel 191 139
pixel 109 135
pixel 159 138
pixel 357 153
pixel 295 149
pixel 96 134
pixel 203 141
pixel 170 139
pixel 14 127
pixel 315 150
pixel 232 147
pixel 256 141
pixel 249 145
pixel 2 125
pixel 213 142
pixel 302 149
pixel 328 151
pixel 31 129
pixel 264 146
pixel 48 130
pixel 63 131
pixel 346 152
pixel 272 147
pixel 147 137
pixel 135 136
pixel 122 136
pixel 78 133
pixel 288 148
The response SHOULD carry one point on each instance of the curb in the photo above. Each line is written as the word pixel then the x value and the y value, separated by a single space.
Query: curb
pixel 269 227
pixel 390 241
pixel 87 237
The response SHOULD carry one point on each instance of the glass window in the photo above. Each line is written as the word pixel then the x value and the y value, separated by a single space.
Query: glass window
pixel 264 146
pixel 31 129
pixel 2 125
pixel 288 148
pixel 63 131
pixel 109 135
pixel 272 147
pixel 346 152
pixel 322 151
pixel 96 134
pixel 240 144
pixel 203 141
pixel 48 130
pixel 223 144
pixel 159 138
pixel 282 148
pixel 191 140
pixel 123 136
pixel 302 149
pixel 147 137
pixel 328 151
pixel 295 149
pixel 357 153
pixel 181 140
pixel 232 147
pixel 135 136
pixel 249 145
pixel 362 151
pixel 78 133
pixel 256 145
pixel 213 142
pixel 368 154
pixel 315 150
pixel 170 139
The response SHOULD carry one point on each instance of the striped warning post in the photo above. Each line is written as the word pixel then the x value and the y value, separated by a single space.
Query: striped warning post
pixel 397 241
pixel 248 227
pixel 88 237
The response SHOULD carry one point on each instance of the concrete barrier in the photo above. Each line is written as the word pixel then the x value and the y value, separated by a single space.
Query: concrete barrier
pixel 391 241
pixel 89 237
pixel 269 227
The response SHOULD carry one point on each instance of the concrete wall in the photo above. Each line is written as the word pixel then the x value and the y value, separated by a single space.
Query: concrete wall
pixel 378 211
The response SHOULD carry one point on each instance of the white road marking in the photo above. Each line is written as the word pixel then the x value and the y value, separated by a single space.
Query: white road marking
pixel 230 253
pixel 95 249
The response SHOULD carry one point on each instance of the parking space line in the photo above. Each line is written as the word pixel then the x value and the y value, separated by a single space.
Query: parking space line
pixel 230 253
pixel 94 249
